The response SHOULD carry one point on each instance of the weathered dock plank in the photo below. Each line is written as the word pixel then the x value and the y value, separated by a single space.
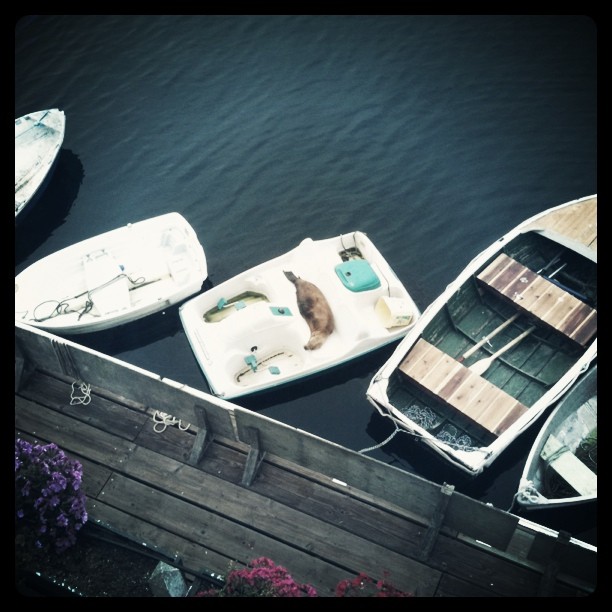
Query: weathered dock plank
pixel 99 412
pixel 71 435
pixel 193 556
pixel 217 533
pixel 323 511
pixel 263 514
pixel 220 508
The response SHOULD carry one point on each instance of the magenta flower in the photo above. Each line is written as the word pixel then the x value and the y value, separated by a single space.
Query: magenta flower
pixel 261 578
pixel 364 586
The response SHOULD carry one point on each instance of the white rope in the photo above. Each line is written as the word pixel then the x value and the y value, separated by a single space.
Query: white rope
pixel 371 448
pixel 80 399
pixel 448 442
pixel 162 420
pixel 529 492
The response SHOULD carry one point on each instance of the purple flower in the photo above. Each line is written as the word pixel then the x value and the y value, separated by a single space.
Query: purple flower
pixel 48 495
pixel 62 520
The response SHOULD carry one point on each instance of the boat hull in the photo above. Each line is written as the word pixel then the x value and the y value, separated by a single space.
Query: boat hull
pixel 450 388
pixel 38 140
pixel 113 278
pixel 249 334
pixel 561 468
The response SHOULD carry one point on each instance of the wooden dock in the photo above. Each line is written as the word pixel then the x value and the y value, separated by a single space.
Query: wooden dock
pixel 235 485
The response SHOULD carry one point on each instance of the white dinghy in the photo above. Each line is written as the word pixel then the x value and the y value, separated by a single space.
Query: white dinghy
pixel 561 469
pixel 38 140
pixel 113 278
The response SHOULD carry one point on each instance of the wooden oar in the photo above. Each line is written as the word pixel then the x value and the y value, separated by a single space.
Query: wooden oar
pixel 489 336
pixel 481 366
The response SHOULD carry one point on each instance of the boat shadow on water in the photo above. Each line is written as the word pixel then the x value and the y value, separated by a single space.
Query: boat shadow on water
pixel 579 521
pixel 406 451
pixel 40 219
pixel 130 336
pixel 136 334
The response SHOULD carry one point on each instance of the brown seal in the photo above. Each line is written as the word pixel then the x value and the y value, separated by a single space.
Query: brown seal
pixel 315 309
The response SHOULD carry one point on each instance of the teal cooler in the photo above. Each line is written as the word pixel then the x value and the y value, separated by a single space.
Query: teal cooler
pixel 357 275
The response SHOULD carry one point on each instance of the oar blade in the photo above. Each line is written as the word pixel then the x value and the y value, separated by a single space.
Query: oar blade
pixel 481 366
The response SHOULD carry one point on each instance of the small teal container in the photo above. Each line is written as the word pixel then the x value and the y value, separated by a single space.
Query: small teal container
pixel 357 275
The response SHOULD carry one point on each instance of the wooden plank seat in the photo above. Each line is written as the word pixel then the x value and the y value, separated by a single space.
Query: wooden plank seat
pixel 565 463
pixel 457 386
pixel 541 298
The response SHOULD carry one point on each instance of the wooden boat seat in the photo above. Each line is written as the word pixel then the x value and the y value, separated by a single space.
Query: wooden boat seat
pixel 541 298
pixel 469 393
pixel 574 471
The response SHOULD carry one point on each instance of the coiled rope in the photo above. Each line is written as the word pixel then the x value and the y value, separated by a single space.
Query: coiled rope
pixel 63 306
pixel 83 399
pixel 162 420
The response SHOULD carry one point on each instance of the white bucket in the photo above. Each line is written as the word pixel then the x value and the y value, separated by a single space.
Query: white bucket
pixel 393 312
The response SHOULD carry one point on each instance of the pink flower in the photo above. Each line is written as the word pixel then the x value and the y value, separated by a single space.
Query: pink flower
pixel 263 578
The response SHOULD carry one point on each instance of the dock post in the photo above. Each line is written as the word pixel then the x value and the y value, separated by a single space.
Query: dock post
pixel 23 367
pixel 254 458
pixel 549 576
pixel 203 437
pixel 436 523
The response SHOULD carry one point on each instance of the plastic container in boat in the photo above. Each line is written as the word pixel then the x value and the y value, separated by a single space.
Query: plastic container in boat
pixel 393 311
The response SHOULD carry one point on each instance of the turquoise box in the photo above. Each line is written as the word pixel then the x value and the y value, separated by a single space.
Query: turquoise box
pixel 357 275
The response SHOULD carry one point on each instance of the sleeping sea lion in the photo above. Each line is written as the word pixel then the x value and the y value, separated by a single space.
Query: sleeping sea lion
pixel 315 309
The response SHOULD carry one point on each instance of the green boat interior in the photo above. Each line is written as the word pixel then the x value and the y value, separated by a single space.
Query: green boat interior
pixel 225 308
pixel 473 326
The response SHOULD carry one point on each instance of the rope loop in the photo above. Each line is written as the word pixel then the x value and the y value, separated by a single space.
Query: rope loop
pixel 83 399
pixel 161 420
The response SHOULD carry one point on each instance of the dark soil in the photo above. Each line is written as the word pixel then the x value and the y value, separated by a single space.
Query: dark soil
pixel 94 567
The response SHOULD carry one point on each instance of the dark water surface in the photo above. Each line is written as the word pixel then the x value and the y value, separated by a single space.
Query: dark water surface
pixel 433 134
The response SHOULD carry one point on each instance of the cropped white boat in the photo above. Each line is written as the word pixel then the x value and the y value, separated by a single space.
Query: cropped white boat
pixel 251 333
pixel 502 343
pixel 113 278
pixel 38 140
pixel 561 469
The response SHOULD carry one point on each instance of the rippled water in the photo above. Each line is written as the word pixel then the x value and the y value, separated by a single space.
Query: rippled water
pixel 433 134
